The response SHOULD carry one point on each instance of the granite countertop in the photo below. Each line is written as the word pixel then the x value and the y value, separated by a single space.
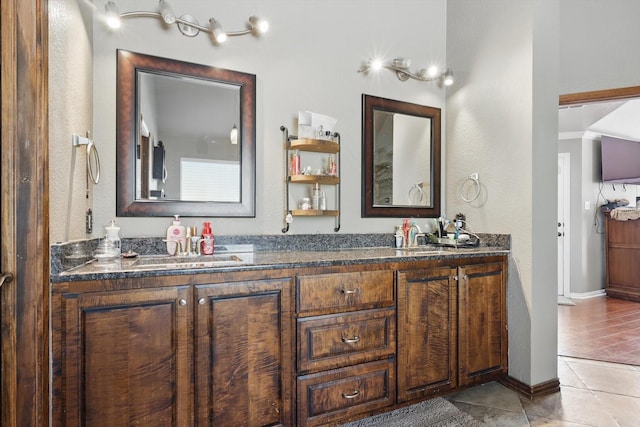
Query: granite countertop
pixel 239 259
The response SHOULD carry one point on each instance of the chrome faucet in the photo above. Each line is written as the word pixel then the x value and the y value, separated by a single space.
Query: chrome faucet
pixel 414 233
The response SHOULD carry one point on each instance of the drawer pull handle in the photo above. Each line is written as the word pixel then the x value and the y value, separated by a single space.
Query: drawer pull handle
pixel 349 292
pixel 353 395
pixel 351 340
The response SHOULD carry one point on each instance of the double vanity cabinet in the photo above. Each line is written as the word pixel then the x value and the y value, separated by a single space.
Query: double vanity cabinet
pixel 313 345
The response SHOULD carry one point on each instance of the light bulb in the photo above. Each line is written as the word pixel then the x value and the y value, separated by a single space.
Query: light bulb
pixel 259 24
pixel 216 29
pixel 167 14
pixel 448 77
pixel 376 64
pixel 112 15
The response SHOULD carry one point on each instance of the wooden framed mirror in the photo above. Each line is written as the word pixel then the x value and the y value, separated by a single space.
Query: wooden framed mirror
pixel 400 159
pixel 176 152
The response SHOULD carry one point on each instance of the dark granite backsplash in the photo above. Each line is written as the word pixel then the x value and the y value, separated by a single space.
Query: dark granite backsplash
pixel 70 254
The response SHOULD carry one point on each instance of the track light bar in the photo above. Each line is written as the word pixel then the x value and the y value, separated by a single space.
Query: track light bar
pixel 187 24
pixel 401 67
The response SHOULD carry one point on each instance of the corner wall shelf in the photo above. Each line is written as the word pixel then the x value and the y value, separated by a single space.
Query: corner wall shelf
pixel 329 146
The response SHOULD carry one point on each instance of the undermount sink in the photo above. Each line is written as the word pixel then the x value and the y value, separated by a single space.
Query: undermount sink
pixel 172 262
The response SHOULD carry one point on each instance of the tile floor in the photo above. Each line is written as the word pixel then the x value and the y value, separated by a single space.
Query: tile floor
pixel 593 393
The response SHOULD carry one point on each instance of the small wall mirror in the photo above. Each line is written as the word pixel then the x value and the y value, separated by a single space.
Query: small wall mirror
pixel 401 159
pixel 186 139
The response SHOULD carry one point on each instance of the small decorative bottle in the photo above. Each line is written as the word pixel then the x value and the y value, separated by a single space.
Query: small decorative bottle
pixel 315 200
pixel 112 234
pixel 332 168
pixel 294 165
pixel 399 237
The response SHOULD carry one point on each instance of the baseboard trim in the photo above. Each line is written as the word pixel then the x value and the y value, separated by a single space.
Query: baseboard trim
pixel 586 295
pixel 538 390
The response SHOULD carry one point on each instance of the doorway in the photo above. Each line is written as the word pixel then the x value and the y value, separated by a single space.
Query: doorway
pixel 573 330
pixel 564 207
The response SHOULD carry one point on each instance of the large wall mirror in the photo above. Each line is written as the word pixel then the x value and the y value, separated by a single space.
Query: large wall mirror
pixel 185 139
pixel 401 159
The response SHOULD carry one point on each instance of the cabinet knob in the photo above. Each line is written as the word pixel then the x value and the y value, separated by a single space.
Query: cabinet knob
pixel 182 301
pixel 202 301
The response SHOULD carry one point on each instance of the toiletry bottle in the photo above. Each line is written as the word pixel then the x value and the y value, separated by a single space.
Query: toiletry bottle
pixel 188 237
pixel 405 231
pixel 176 233
pixel 207 242
pixel 112 234
pixel 315 200
pixel 294 166
pixel 193 243
pixel 332 167
pixel 323 201
pixel 399 237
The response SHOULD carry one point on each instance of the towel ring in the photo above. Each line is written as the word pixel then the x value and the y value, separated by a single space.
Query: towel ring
pixel 93 167
pixel 476 182
pixel 92 153
pixel 417 188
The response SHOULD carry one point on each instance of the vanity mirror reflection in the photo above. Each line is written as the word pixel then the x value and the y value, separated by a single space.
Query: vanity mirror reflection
pixel 401 159
pixel 185 139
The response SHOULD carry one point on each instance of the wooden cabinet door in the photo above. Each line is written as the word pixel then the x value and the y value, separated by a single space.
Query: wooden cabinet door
pixel 244 355
pixel 427 332
pixel 124 359
pixel 482 341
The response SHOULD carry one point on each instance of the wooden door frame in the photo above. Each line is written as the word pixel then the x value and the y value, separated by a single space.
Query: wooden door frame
pixel 600 95
pixel 24 314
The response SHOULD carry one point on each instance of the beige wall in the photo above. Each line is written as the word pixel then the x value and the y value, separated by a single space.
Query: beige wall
pixel 71 112
pixel 307 61
pixel 502 124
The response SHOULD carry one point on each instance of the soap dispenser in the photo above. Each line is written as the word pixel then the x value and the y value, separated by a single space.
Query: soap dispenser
pixel 176 233
pixel 207 242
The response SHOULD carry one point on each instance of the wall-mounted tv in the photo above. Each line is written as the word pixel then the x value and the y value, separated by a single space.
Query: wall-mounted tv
pixel 620 160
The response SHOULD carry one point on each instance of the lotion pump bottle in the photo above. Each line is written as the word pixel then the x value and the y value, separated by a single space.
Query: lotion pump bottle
pixel 176 233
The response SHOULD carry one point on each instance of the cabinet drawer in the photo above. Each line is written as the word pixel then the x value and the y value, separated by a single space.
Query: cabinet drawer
pixel 326 293
pixel 329 396
pixel 332 341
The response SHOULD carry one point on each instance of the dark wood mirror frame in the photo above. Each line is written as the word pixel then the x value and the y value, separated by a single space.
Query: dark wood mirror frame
pixel 129 63
pixel 369 209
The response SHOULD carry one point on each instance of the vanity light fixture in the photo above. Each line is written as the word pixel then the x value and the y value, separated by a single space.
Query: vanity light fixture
pixel 187 24
pixel 401 68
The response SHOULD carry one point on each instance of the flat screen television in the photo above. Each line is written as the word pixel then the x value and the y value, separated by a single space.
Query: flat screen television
pixel 620 160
